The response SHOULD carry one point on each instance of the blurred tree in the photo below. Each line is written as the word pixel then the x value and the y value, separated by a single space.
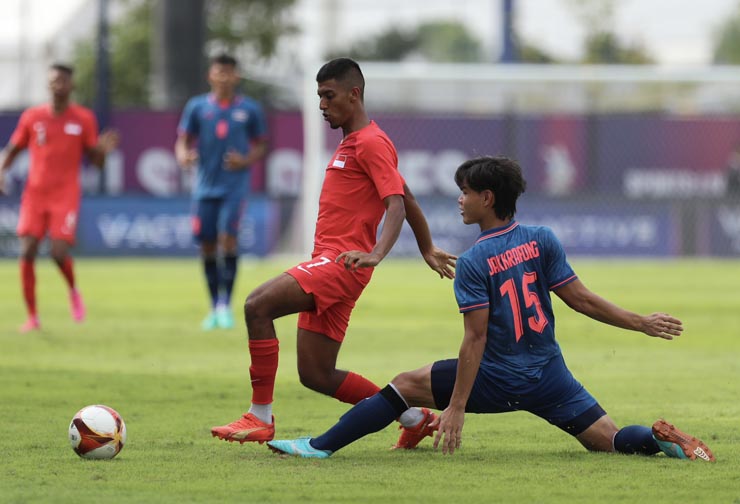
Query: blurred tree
pixel 448 41
pixel 605 47
pixel 250 27
pixel 130 60
pixel 394 44
pixel 256 24
pixel 727 43
pixel 436 41
pixel 595 16
pixel 530 53
pixel 601 44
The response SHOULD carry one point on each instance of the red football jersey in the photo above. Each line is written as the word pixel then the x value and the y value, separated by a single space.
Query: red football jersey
pixel 56 144
pixel 362 172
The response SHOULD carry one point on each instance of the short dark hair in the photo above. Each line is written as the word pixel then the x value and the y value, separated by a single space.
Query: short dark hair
pixel 500 175
pixel 224 59
pixel 343 70
pixel 60 67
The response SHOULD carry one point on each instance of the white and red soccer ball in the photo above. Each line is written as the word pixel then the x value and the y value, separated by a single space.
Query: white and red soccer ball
pixel 97 432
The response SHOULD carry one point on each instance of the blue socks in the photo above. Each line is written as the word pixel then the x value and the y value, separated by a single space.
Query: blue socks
pixel 367 416
pixel 377 412
pixel 210 268
pixel 227 275
pixel 636 439
pixel 220 278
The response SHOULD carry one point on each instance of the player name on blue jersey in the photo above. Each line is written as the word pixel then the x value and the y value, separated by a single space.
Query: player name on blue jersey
pixel 513 257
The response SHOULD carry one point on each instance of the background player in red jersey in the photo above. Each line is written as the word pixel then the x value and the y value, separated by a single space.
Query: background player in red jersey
pixel 362 184
pixel 56 134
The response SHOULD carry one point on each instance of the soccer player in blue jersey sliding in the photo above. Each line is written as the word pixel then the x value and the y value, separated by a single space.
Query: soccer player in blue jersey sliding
pixel 224 134
pixel 509 359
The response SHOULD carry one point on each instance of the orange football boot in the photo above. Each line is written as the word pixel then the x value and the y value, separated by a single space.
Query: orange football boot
pixel 412 436
pixel 247 428
pixel 677 444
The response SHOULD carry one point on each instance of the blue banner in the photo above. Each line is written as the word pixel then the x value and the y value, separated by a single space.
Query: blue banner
pixel 144 226
pixel 718 232
pixel 623 228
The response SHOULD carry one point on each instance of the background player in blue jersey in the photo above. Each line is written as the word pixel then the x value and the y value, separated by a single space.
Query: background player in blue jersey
pixel 224 134
pixel 509 359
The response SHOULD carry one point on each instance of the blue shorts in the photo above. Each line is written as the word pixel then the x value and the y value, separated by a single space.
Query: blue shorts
pixel 556 397
pixel 215 216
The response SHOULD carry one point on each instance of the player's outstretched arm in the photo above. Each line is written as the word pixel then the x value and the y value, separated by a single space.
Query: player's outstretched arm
pixel 440 261
pixel 108 141
pixel 581 299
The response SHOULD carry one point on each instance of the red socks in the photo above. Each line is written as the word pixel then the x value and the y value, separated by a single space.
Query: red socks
pixel 28 281
pixel 355 388
pixel 264 354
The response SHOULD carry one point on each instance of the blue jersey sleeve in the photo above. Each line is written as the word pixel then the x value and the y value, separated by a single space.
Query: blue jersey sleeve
pixel 189 121
pixel 257 126
pixel 557 270
pixel 471 286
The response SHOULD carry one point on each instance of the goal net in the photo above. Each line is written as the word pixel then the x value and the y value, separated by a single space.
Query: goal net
pixel 619 160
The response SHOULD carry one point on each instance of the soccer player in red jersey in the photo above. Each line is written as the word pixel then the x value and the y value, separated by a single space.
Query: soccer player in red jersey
pixel 56 134
pixel 362 184
pixel 509 359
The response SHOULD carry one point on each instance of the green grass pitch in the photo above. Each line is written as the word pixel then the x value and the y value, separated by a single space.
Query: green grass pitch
pixel 141 352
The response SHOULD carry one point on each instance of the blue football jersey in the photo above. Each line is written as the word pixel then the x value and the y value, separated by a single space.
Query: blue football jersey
pixel 220 128
pixel 511 271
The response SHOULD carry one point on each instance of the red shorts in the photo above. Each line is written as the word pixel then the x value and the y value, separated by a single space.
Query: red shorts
pixel 57 218
pixel 335 291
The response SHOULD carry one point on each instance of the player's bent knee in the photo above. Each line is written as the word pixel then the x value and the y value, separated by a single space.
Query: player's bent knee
pixel 28 255
pixel 316 381
pixel 254 307
pixel 29 250
pixel 228 245
pixel 58 257
pixel 402 380
pixel 409 383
